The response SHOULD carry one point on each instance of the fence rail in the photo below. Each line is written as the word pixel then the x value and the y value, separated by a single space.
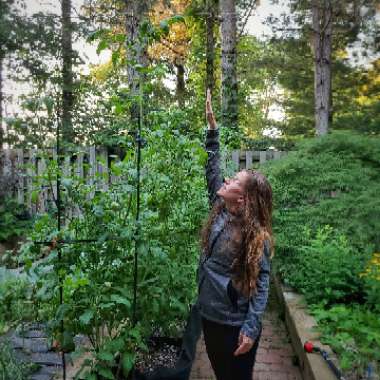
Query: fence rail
pixel 20 167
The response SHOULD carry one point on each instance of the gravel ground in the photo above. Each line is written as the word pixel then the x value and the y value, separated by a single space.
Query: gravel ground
pixel 160 354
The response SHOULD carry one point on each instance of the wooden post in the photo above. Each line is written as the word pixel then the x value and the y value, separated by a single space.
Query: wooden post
pixel 79 174
pixel 79 165
pixel 20 176
pixel 248 159
pixel 31 172
pixel 42 194
pixel 103 169
pixel 7 168
pixel 112 177
pixel 91 179
pixel 236 158
pixel 263 156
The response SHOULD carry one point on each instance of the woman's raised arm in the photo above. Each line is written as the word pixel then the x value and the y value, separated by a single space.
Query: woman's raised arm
pixel 213 174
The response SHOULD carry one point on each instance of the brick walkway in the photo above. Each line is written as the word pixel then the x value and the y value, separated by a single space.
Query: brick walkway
pixel 275 355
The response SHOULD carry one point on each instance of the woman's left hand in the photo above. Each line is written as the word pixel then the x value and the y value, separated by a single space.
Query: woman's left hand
pixel 245 344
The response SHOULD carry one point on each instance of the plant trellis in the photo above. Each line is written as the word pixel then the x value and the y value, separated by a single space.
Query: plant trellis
pixel 139 144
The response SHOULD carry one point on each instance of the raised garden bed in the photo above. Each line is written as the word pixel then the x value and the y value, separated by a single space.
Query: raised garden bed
pixel 302 327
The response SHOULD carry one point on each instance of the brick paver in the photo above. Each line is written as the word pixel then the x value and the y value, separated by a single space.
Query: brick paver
pixel 275 356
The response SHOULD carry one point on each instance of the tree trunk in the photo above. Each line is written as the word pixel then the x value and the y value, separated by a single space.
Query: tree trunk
pixel 322 28
pixel 136 53
pixel 210 43
pixel 2 134
pixel 180 89
pixel 67 73
pixel 229 81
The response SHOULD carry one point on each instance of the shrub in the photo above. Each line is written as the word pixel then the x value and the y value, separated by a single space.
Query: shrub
pixel 326 226
pixel 371 279
pixel 325 268
pixel 333 180
pixel 11 367
pixel 15 299
pixel 353 332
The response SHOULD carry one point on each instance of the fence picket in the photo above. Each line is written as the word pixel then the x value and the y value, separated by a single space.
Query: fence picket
pixel 20 176
pixel 263 156
pixel 103 168
pixel 236 157
pixel 248 159
pixel 31 172
pixel 41 169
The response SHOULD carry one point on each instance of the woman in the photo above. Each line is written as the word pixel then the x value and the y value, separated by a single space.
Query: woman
pixel 233 272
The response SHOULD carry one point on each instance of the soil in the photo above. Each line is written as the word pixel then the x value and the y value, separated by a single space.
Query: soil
pixel 162 352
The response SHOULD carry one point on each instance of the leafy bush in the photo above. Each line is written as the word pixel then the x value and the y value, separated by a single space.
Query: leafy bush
pixel 11 367
pixel 325 268
pixel 371 278
pixel 326 226
pixel 15 299
pixel 333 180
pixel 353 332
pixel 14 220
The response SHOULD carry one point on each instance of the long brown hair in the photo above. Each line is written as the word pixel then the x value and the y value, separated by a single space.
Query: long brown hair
pixel 249 229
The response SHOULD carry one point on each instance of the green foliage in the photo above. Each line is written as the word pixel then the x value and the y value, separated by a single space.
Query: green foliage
pixel 328 181
pixel 353 332
pixel 11 367
pixel 98 277
pixel 14 221
pixel 15 299
pixel 326 227
pixel 371 279
pixel 325 268
pixel 266 143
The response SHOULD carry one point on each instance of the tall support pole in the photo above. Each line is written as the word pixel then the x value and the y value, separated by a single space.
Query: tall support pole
pixel 62 327
pixel 2 131
pixel 138 185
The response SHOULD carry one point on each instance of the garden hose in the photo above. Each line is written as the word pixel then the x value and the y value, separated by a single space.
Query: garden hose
pixel 310 348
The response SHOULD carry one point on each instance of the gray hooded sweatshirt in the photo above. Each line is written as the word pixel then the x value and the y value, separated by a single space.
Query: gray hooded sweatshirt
pixel 218 300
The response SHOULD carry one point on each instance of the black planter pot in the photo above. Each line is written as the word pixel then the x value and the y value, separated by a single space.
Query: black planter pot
pixel 187 344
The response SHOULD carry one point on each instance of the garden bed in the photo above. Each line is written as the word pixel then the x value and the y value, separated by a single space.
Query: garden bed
pixel 303 327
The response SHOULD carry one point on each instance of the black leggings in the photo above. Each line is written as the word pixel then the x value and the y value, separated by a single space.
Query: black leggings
pixel 221 342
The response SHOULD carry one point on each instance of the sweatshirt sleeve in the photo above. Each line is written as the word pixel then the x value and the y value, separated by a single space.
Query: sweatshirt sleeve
pixel 213 173
pixel 258 301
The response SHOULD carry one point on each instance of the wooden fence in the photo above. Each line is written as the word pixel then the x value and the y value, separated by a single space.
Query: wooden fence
pixel 20 167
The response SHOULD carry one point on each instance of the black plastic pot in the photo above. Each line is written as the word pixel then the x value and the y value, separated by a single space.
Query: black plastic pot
pixel 188 344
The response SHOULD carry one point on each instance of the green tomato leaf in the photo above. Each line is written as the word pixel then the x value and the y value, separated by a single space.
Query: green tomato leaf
pixel 106 372
pixel 127 361
pixel 121 300
pixel 34 196
pixel 105 355
pixel 86 317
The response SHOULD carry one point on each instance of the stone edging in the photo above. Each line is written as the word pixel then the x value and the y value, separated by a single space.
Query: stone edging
pixel 301 325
